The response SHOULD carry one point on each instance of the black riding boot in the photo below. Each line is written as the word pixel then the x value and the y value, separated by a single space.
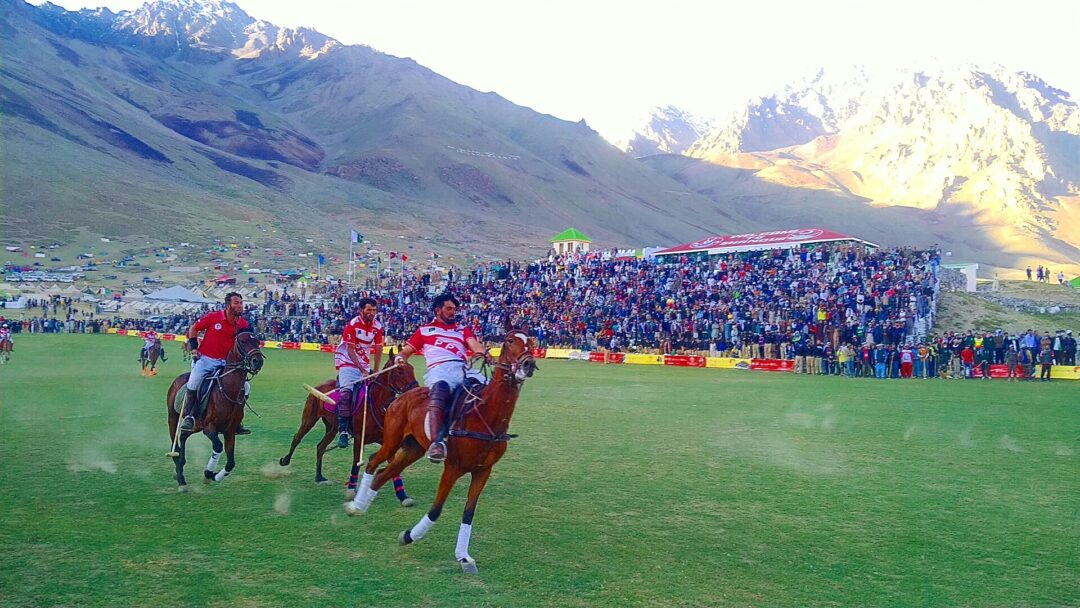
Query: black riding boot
pixel 344 413
pixel 439 399
pixel 188 423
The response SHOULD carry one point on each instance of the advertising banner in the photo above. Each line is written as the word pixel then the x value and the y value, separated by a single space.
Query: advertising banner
pixel 772 365
pixel 727 362
pixel 639 359
pixel 684 360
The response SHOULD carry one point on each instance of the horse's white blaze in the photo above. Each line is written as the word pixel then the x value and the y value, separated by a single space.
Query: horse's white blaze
pixel 421 528
pixel 463 536
pixel 524 339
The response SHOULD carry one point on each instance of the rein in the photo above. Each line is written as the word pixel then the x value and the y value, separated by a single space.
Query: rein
pixel 510 377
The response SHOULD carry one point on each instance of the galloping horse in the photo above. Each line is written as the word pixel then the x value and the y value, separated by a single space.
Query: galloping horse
pixel 5 350
pixel 476 442
pixel 225 407
pixel 150 356
pixel 381 391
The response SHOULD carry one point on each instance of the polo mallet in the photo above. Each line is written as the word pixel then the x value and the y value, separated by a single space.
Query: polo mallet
pixel 363 428
pixel 174 452
pixel 321 396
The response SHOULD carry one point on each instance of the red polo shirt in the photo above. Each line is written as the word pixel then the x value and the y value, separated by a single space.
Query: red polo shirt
pixel 220 334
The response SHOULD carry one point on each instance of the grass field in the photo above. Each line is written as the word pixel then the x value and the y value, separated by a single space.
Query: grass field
pixel 629 486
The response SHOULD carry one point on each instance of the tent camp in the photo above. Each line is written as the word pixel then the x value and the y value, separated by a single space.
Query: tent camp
pixel 177 293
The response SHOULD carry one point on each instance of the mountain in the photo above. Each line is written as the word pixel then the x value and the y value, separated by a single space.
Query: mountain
pixel 986 159
pixel 190 119
pixel 667 130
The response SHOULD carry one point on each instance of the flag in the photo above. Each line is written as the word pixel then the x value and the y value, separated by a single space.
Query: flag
pixel 322 260
pixel 393 255
pixel 357 237
pixel 404 258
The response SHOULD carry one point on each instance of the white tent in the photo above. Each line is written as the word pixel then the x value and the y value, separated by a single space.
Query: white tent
pixel 177 293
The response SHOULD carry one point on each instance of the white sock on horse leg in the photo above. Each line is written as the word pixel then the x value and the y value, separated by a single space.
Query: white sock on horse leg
pixel 364 498
pixel 365 483
pixel 420 529
pixel 463 536
pixel 212 463
pixel 222 474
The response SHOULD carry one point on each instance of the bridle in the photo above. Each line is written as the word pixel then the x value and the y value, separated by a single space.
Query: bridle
pixel 248 363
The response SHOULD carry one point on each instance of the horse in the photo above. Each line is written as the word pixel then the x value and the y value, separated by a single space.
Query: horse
pixel 381 391
pixel 5 350
pixel 225 408
pixel 150 356
pixel 477 440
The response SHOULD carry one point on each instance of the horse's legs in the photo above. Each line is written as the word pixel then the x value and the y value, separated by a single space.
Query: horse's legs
pixel 461 552
pixel 450 475
pixel 307 421
pixel 230 456
pixel 181 460
pixel 399 491
pixel 409 453
pixel 215 441
pixel 320 450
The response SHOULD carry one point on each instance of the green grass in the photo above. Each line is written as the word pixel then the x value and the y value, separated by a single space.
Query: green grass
pixel 628 486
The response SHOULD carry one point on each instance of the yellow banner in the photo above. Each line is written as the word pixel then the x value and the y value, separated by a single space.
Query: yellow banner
pixel 639 359
pixel 558 353
pixel 112 330
pixel 1065 372
pixel 727 362
pixel 309 346
pixel 271 344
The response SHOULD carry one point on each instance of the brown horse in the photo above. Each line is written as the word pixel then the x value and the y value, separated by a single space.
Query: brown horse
pixel 150 356
pixel 476 442
pixel 225 409
pixel 5 350
pixel 381 391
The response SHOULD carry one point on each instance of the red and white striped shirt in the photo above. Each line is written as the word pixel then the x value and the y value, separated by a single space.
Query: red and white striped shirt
pixel 365 337
pixel 440 343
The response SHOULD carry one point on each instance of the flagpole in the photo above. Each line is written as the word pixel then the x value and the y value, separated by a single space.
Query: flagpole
pixel 351 265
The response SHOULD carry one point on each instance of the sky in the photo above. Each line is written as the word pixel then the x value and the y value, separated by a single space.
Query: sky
pixel 610 62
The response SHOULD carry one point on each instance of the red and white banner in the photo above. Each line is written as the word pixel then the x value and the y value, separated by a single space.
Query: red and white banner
pixel 777 239
pixel 684 360
pixel 772 365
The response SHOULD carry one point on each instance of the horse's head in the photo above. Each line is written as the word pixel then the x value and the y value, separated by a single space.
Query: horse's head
pixel 248 353
pixel 401 378
pixel 516 356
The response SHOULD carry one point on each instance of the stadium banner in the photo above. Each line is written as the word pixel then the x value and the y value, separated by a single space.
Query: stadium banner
pixel 113 330
pixel 327 348
pixel 557 353
pixel 1065 372
pixel 773 365
pixel 309 346
pixel 606 357
pixel 997 370
pixel 539 353
pixel 290 345
pixel 640 359
pixel 727 362
pixel 271 344
pixel 684 360
pixel 578 355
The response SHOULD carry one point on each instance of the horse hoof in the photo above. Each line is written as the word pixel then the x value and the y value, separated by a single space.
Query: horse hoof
pixel 405 538
pixel 350 493
pixel 352 510
pixel 322 482
pixel 283 462
pixel 468 565
pixel 408 502
pixel 182 489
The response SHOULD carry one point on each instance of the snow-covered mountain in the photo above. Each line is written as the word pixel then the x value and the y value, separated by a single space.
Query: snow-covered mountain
pixel 667 130
pixel 961 141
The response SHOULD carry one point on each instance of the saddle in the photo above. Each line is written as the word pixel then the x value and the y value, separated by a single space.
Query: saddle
pixel 203 394
pixel 461 401
pixel 357 400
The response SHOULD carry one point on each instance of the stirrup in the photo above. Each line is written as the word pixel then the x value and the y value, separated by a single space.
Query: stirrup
pixel 188 423
pixel 343 440
pixel 437 452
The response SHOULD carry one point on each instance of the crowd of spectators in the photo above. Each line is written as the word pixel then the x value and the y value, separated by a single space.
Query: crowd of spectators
pixel 834 309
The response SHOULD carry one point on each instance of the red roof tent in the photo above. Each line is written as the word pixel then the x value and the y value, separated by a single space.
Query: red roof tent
pixel 756 241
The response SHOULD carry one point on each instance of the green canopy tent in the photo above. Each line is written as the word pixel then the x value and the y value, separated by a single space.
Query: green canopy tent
pixel 1075 282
